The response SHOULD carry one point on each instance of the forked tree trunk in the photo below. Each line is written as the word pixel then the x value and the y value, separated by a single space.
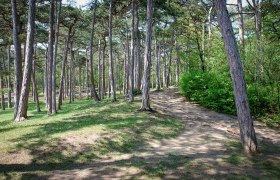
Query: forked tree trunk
pixel 111 62
pixel 131 65
pixel 9 76
pixel 23 100
pixel 247 131
pixel 17 58
pixel 147 59
pixel 93 90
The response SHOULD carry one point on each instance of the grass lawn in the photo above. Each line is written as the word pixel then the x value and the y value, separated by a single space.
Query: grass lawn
pixel 82 132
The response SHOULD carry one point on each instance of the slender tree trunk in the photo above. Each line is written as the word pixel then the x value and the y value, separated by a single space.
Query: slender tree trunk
pixel 50 57
pixel 17 58
pixel 111 62
pixel 23 100
pixel 240 24
pixel 80 79
pixel 103 70
pixel 177 70
pixel 93 90
pixel 63 69
pixel 9 76
pixel 147 59
pixel 46 78
pixel 131 66
pixel 2 86
pixel 247 131
pixel 157 64
pixel 99 68
pixel 164 68
pixel 168 78
pixel 72 75
pixel 36 97
pixel 124 70
pixel 138 53
pixel 87 83
pixel 58 6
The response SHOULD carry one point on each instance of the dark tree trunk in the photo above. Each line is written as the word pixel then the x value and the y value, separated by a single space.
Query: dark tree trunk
pixel 46 78
pixel 93 90
pixel 36 98
pixel 138 53
pixel 9 76
pixel 147 59
pixel 168 78
pixel 103 70
pixel 23 100
pixel 247 131
pixel 58 7
pixel 87 83
pixel 80 79
pixel 111 62
pixel 99 68
pixel 72 76
pixel 177 70
pixel 164 68
pixel 2 86
pixel 50 57
pixel 157 64
pixel 131 65
pixel 63 69
pixel 17 58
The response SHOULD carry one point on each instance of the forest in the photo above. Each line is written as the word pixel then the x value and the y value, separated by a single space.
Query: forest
pixel 140 89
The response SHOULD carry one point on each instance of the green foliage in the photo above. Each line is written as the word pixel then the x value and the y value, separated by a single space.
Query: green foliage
pixel 214 90
pixel 209 89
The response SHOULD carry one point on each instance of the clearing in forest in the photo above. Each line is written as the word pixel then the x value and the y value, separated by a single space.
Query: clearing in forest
pixel 106 140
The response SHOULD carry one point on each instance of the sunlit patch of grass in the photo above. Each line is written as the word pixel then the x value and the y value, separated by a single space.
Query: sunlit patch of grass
pixel 238 158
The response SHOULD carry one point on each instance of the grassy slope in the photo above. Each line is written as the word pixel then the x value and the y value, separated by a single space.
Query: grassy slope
pixel 81 133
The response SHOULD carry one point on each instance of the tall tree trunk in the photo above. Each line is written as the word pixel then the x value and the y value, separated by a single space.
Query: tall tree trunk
pixel 168 78
pixel 247 131
pixel 9 76
pixel 23 100
pixel 93 90
pixel 131 65
pixel 63 69
pixel 87 83
pixel 147 59
pixel 99 68
pixel 17 58
pixel 72 75
pixel 157 54
pixel 50 57
pixel 2 86
pixel 164 68
pixel 111 62
pixel 80 79
pixel 127 69
pixel 46 78
pixel 177 70
pixel 36 97
pixel 124 70
pixel 103 69
pixel 240 23
pixel 138 53
pixel 58 7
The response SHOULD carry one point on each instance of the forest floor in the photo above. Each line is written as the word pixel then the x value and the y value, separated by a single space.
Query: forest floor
pixel 178 140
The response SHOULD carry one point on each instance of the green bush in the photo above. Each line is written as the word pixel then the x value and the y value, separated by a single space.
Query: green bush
pixel 214 90
pixel 209 89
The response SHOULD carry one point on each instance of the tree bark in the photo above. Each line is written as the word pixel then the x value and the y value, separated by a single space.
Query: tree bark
pixel 93 90
pixel 157 64
pixel 99 68
pixel 9 76
pixel 87 83
pixel 36 97
pixel 168 78
pixel 240 23
pixel 50 57
pixel 131 65
pixel 147 59
pixel 177 70
pixel 23 100
pixel 63 68
pixel 111 62
pixel 17 58
pixel 72 75
pixel 58 5
pixel 103 69
pixel 2 86
pixel 138 53
pixel 247 131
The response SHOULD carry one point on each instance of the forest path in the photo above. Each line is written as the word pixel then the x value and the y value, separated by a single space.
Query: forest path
pixel 208 148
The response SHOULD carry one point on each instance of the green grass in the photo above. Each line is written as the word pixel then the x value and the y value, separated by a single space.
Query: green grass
pixel 115 127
